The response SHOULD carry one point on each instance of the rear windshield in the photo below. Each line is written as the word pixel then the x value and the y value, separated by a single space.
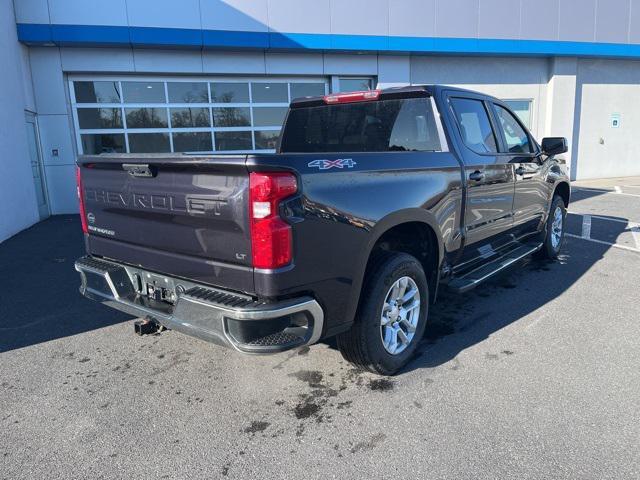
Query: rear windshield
pixel 380 126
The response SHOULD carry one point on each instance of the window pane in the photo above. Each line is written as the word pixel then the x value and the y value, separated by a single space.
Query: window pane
pixel 517 139
pixel 266 139
pixel 192 142
pixel 386 125
pixel 190 117
pixel 96 92
pixel 474 125
pixel 269 93
pixel 222 92
pixel 188 92
pixel 306 90
pixel 143 92
pixel 146 117
pixel 103 143
pixel 233 141
pixel 149 142
pixel 231 117
pixel 355 84
pixel 99 118
pixel 269 116
pixel 522 108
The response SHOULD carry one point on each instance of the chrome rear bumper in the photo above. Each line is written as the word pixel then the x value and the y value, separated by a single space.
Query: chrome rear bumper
pixel 214 315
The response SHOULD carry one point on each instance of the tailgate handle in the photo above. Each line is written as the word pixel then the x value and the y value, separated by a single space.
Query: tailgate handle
pixel 138 169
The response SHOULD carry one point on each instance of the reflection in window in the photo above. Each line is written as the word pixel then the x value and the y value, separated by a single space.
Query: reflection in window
pixel 522 108
pixel 190 117
pixel 188 92
pixel 231 117
pixel 355 84
pixel 233 141
pixel 149 142
pixel 95 144
pixel 515 136
pixel 269 116
pixel 96 92
pixel 143 92
pixel 269 93
pixel 146 117
pixel 266 139
pixel 306 90
pixel 223 92
pixel 99 118
pixel 192 142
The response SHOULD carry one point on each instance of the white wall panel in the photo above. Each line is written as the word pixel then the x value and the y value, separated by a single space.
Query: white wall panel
pixel 164 13
pixel 88 12
pixel 97 59
pixel 394 71
pixel 233 62
pixel 499 19
pixel 412 18
pixel 248 15
pixel 55 134
pixel 61 183
pixel 360 17
pixel 31 11
pixel 168 61
pixel 300 16
pixel 336 64
pixel 18 207
pixel 48 85
pixel 457 18
pixel 294 63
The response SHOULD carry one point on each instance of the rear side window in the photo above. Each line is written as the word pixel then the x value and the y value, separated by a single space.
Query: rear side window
pixel 474 124
pixel 380 126
pixel 515 136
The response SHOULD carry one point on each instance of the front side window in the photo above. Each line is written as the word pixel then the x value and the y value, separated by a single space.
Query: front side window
pixel 378 126
pixel 515 136
pixel 474 124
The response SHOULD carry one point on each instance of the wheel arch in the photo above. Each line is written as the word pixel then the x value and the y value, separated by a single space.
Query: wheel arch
pixel 396 227
pixel 564 190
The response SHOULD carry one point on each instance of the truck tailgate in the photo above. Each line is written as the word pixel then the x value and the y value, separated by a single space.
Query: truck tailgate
pixel 184 216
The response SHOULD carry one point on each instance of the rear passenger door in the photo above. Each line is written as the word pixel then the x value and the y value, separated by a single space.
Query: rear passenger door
pixel 518 148
pixel 489 178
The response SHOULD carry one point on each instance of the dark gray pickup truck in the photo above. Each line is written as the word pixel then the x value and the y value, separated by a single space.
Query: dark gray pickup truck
pixel 373 202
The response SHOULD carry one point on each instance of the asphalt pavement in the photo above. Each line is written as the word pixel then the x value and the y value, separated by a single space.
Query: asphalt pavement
pixel 535 375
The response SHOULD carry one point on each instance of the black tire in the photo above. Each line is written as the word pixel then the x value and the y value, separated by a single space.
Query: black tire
pixel 363 345
pixel 550 249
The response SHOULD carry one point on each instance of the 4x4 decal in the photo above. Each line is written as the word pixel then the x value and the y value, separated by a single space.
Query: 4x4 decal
pixel 327 164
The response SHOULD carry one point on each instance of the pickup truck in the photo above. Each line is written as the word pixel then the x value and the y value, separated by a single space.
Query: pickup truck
pixel 372 203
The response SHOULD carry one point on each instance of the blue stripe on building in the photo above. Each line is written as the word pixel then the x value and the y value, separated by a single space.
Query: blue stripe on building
pixel 99 35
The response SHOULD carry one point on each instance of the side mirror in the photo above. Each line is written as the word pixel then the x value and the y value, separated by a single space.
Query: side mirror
pixel 554 145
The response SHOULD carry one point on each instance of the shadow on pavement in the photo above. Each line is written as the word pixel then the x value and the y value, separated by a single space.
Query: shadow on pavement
pixel 458 322
pixel 39 298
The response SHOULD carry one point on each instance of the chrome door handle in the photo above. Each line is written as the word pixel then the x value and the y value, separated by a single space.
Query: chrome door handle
pixel 476 176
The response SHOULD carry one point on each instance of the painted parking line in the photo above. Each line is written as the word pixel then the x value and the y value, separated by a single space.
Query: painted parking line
pixel 602 242
pixel 605 192
pixel 586 226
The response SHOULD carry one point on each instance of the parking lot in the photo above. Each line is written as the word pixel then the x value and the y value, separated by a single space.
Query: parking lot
pixel 533 375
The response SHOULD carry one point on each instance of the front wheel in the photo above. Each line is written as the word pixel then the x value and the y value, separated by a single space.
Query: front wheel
pixel 391 317
pixel 554 229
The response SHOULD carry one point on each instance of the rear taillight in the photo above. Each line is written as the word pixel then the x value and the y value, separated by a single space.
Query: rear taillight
pixel 83 213
pixel 271 237
pixel 352 97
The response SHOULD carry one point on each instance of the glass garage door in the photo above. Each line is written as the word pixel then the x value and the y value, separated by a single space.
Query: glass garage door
pixel 183 115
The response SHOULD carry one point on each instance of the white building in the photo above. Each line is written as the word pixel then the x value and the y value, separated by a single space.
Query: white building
pixel 152 75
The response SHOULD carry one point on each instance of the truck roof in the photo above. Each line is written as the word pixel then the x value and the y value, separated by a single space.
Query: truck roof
pixel 394 92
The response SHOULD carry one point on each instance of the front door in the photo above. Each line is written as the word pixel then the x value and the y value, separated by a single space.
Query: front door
pixel 531 190
pixel 490 179
pixel 36 164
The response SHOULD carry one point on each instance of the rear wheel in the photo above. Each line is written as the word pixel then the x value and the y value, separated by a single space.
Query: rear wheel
pixel 554 229
pixel 392 315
